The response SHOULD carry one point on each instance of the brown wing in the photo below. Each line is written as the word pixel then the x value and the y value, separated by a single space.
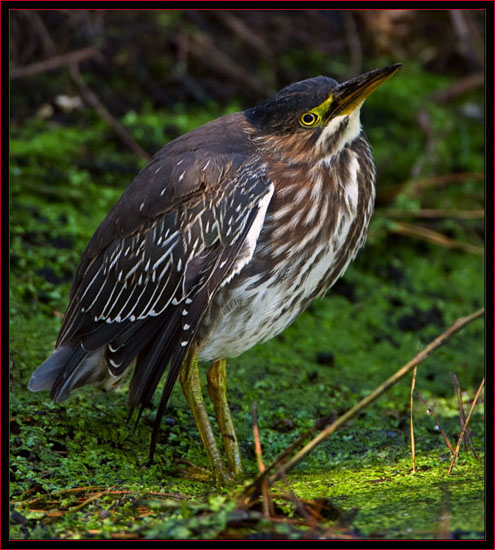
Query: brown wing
pixel 152 267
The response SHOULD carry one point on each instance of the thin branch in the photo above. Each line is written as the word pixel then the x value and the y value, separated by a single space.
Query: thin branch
pixel 252 491
pixel 268 507
pixel 461 435
pixel 439 341
pixel 92 99
pixel 354 43
pixel 245 33
pixel 204 48
pixel 102 491
pixel 53 63
pixel 462 414
pixel 41 31
pixel 88 500
pixel 88 95
pixel 434 237
pixel 463 37
pixel 435 213
pixel 424 123
pixel 462 86
pixel 413 448
pixel 256 437
pixel 300 504
pixel 429 411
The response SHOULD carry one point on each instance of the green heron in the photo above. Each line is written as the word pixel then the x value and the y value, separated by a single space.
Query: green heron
pixel 219 243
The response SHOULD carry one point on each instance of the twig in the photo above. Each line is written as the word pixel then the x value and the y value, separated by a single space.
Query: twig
pixel 101 492
pixel 203 47
pixel 245 33
pixel 410 230
pixel 92 99
pixel 354 43
pixel 252 491
pixel 431 139
pixel 299 504
pixel 429 411
pixel 461 435
pixel 462 414
pixel 439 341
pixel 53 63
pixel 256 437
pixel 268 507
pixel 40 29
pixel 148 493
pixel 88 500
pixel 413 450
pixel 463 85
pixel 299 442
pixel 464 39
pixel 88 95
pixel 414 187
pixel 435 213
pixel 77 489
pixel 48 513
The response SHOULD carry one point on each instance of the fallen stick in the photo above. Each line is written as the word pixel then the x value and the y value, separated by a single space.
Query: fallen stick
pixel 413 446
pixel 462 414
pixel 434 237
pixel 464 428
pixel 92 99
pixel 252 491
pixel 54 62
pixel 429 411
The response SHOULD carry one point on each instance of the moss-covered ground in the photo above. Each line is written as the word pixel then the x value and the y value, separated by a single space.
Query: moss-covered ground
pixel 79 468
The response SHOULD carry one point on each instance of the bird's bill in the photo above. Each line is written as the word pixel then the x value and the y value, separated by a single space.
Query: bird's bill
pixel 353 92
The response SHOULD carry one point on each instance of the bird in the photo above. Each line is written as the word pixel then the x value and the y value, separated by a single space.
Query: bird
pixel 219 243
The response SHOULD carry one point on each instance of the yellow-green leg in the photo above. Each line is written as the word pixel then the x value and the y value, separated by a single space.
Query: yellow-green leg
pixel 217 388
pixel 191 386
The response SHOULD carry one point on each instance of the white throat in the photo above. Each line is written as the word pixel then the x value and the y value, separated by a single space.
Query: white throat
pixel 333 139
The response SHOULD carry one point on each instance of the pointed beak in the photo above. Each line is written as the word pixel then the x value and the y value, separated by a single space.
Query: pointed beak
pixel 353 92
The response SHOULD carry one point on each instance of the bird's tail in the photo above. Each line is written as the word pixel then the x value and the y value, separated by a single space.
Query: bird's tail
pixel 70 366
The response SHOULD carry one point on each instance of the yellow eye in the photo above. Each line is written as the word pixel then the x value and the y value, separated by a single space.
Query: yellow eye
pixel 309 119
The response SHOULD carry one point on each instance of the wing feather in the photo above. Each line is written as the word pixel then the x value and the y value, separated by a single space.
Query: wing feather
pixel 186 225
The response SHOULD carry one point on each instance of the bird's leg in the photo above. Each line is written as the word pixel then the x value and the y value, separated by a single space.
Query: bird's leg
pixel 217 388
pixel 191 386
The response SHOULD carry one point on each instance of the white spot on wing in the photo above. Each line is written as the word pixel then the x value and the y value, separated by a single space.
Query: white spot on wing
pixel 352 187
pixel 252 236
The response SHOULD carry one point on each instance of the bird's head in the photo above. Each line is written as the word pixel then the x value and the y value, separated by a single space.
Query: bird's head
pixel 314 118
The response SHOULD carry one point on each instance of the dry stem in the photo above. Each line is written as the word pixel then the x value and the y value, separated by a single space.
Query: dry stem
pixel 413 449
pixel 252 492
pixel 461 435
pixel 434 237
